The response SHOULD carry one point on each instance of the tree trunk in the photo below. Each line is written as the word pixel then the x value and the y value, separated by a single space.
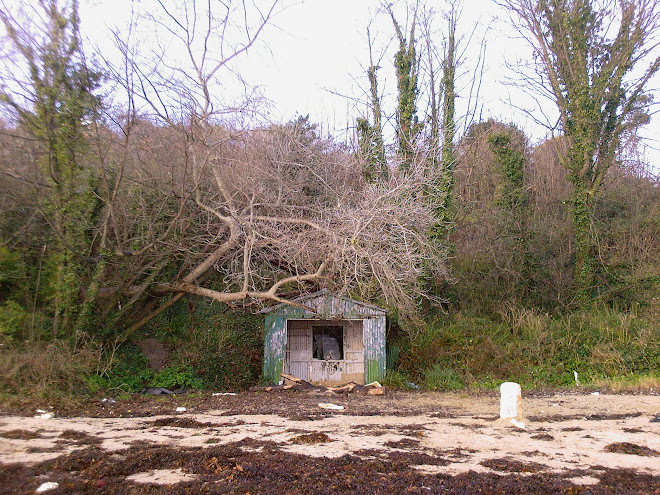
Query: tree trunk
pixel 584 245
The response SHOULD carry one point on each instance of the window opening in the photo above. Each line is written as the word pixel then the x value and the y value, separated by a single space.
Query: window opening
pixel 328 342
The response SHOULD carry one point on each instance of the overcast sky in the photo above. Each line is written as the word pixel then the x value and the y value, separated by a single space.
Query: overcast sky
pixel 312 60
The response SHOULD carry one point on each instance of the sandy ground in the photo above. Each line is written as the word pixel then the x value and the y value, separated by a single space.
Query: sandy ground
pixel 563 434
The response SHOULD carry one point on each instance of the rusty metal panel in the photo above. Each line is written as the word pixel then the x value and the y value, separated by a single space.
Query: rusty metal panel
pixel 374 348
pixel 274 347
pixel 326 305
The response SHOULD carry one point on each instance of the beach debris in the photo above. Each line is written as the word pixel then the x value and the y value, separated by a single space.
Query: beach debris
pixel 517 424
pixel 294 383
pixel 156 391
pixel 49 485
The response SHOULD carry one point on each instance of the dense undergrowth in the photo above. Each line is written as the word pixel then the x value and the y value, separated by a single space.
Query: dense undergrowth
pixel 603 346
pixel 211 347
pixel 219 349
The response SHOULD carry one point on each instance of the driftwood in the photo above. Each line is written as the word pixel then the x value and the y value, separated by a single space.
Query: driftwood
pixel 299 384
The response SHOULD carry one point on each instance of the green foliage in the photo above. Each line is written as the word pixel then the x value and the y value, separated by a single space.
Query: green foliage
pixel 511 164
pixel 13 319
pixel 370 137
pixel 407 72
pixel 130 372
pixel 223 347
pixel 55 106
pixel 531 348
pixel 443 194
pixel 397 379
pixel 588 69
pixel 177 377
pixel 370 141
pixel 11 269
pixel 441 378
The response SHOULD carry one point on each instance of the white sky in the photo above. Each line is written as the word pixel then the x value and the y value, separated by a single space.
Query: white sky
pixel 316 50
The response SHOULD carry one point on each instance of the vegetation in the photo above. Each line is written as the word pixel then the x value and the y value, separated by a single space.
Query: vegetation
pixel 589 67
pixel 178 222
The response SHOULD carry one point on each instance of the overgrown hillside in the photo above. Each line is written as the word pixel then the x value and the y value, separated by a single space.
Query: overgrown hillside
pixel 146 218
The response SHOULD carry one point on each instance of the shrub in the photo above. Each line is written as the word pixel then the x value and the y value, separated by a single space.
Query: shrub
pixel 223 348
pixel 531 348
pixel 35 368
pixel 13 319
pixel 177 377
pixel 441 378
pixel 129 371
pixel 397 379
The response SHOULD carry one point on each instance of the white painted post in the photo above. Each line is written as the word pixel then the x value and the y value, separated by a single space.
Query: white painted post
pixel 510 401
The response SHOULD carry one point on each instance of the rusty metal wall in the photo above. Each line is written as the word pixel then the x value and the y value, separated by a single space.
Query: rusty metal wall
pixel 274 347
pixel 329 307
pixel 374 349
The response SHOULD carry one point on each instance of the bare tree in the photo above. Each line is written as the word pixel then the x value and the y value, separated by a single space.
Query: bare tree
pixel 260 215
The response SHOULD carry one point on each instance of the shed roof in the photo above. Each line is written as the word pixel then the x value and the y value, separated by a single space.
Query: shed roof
pixel 327 305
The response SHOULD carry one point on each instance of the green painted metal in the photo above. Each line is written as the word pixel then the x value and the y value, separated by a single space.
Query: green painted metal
pixel 374 349
pixel 274 347
pixel 372 371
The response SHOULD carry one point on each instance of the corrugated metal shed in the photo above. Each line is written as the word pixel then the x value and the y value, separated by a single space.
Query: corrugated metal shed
pixel 289 334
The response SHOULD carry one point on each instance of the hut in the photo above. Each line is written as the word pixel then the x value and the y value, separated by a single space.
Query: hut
pixel 325 339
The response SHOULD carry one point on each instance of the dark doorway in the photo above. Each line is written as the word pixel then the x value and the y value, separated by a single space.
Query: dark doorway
pixel 328 342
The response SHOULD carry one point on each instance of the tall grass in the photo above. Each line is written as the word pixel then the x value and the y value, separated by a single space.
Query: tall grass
pixel 533 348
pixel 52 368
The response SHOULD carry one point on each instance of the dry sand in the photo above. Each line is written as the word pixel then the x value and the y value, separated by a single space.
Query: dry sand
pixel 563 433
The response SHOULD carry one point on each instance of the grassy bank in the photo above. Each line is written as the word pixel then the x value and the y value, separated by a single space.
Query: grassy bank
pixel 219 349
pixel 605 347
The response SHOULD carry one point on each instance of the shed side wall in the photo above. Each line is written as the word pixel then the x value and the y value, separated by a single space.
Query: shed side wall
pixel 274 347
pixel 374 349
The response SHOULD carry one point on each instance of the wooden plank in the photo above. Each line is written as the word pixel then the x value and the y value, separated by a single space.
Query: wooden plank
pixel 291 377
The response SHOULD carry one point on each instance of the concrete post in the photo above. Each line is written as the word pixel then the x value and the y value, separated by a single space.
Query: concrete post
pixel 510 401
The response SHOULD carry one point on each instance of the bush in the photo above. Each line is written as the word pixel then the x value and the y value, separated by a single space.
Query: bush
pixel 531 348
pixel 56 367
pixel 13 319
pixel 398 379
pixel 129 372
pixel 175 377
pixel 223 349
pixel 441 378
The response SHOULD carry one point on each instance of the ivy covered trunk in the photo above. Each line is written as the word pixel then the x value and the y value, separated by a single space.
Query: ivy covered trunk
pixel 584 268
pixel 58 116
pixel 444 208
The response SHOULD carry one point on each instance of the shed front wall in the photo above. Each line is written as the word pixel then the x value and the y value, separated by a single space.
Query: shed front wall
pixel 300 363
pixel 274 347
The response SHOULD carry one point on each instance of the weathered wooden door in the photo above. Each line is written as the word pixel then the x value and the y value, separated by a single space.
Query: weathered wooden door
pixel 298 349
pixel 353 352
